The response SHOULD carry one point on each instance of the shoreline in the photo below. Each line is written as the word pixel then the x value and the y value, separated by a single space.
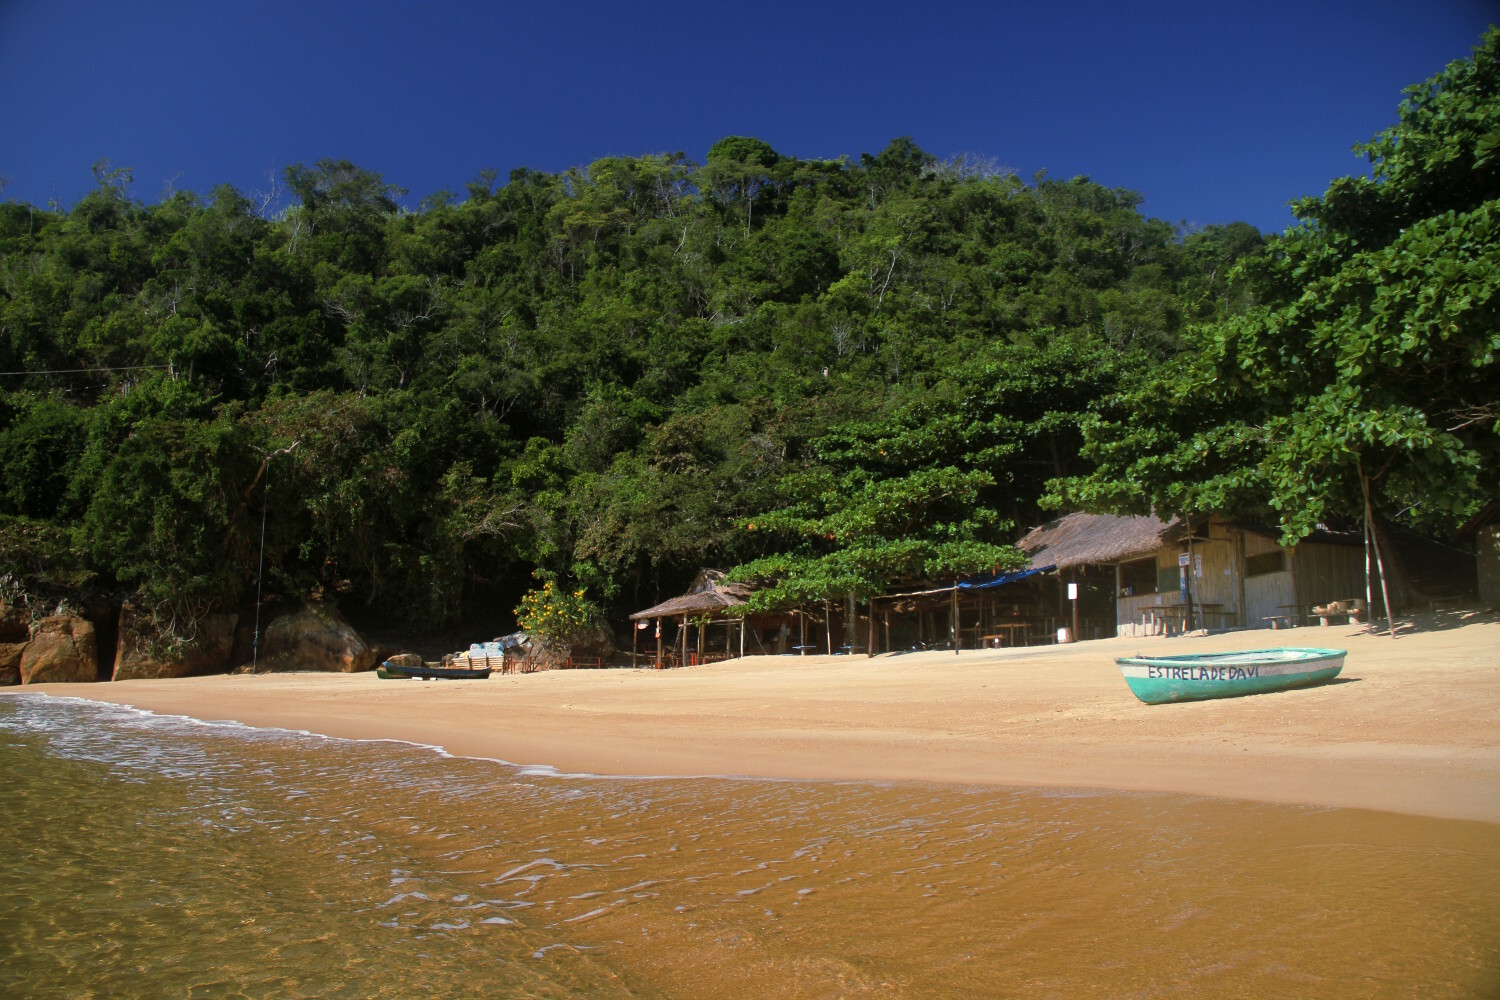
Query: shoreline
pixel 1410 726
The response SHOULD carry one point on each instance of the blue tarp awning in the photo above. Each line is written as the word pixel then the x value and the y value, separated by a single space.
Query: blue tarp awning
pixel 984 583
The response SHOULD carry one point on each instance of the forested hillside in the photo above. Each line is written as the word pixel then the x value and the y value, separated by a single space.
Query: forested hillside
pixel 837 372
pixel 595 375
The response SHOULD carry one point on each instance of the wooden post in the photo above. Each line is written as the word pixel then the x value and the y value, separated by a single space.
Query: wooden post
pixel 828 624
pixel 1074 601
pixel 682 634
pixel 870 646
pixel 953 616
pixel 1119 586
pixel 702 640
pixel 888 630
pixel 1187 625
pixel 744 620
pixel 1385 593
pixel 633 631
pixel 1239 552
pixel 658 643
pixel 801 633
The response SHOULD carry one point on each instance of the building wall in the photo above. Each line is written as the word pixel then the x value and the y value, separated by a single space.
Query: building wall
pixel 1312 573
pixel 1267 594
pixel 1488 542
pixel 1328 572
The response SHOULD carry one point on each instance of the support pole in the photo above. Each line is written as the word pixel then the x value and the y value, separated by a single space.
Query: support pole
pixel 1369 572
pixel 953 617
pixel 1073 600
pixel 1385 593
pixel 1188 623
pixel 658 644
pixel 870 645
pixel 828 624
pixel 633 631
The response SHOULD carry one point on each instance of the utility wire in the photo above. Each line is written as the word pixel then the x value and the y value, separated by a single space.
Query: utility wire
pixel 76 371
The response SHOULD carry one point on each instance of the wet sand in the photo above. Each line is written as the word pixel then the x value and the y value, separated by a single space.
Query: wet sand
pixel 1411 726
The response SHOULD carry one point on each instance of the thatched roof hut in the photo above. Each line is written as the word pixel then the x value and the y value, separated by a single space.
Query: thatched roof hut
pixel 709 593
pixel 1097 539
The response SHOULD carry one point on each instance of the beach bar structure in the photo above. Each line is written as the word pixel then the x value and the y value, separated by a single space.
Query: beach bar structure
pixel 1215 572
pixel 710 622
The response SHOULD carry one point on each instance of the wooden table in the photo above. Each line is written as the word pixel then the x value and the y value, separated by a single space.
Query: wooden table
pixel 1006 633
pixel 1175 615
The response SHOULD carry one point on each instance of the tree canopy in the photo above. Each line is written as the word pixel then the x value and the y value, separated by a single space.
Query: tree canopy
pixel 1369 352
pixel 604 377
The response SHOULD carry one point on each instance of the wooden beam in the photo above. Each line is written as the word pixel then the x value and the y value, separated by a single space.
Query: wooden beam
pixel 953 606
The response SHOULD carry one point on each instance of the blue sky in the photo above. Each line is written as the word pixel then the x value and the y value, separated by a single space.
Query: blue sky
pixel 1213 111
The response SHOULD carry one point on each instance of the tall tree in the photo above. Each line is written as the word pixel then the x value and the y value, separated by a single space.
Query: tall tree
pixel 1371 362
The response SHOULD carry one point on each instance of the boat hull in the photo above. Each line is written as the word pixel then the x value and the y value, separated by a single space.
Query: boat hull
pixel 425 673
pixel 1158 680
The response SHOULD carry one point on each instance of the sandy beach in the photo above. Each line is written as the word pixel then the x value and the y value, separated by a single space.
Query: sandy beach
pixel 1411 726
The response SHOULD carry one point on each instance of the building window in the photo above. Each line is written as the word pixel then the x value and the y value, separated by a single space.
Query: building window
pixel 1266 562
pixel 1138 577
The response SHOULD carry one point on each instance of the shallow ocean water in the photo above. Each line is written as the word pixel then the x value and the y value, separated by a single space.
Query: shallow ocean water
pixel 151 856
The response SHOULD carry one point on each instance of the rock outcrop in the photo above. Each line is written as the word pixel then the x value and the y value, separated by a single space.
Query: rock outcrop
pixel 137 657
pixel 15 633
pixel 412 660
pixel 315 638
pixel 10 663
pixel 62 648
pixel 15 624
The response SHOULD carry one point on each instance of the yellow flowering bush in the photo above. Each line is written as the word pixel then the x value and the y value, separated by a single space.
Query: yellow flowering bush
pixel 555 614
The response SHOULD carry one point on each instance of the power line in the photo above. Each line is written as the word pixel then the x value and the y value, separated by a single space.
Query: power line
pixel 77 371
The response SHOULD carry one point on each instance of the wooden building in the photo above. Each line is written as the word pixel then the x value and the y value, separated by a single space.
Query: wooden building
pixel 1216 573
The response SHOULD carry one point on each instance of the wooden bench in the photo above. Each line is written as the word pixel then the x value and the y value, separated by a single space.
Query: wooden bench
pixel 1279 621
pixel 1351 610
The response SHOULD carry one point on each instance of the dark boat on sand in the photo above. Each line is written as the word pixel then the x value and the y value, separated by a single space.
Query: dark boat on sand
pixel 431 672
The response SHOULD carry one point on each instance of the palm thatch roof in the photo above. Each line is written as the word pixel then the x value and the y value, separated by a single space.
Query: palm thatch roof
pixel 1078 539
pixel 708 594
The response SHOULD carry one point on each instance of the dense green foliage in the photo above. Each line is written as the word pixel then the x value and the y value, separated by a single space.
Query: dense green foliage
pixel 1368 360
pixel 553 613
pixel 600 376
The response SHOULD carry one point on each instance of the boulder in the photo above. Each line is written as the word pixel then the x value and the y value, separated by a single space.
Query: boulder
pixel 15 623
pixel 599 641
pixel 62 648
pixel 526 653
pixel 10 663
pixel 315 638
pixel 404 660
pixel 137 656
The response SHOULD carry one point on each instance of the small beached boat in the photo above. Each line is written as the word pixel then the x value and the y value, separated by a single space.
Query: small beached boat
pixel 428 673
pixel 1159 679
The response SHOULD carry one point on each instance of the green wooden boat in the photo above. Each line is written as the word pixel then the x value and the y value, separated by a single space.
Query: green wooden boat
pixel 1160 679
pixel 431 673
